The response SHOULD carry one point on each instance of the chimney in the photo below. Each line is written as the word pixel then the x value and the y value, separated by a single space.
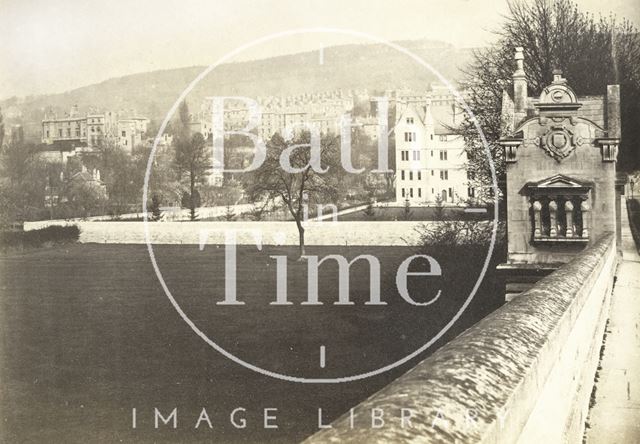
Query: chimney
pixel 519 86
pixel 613 111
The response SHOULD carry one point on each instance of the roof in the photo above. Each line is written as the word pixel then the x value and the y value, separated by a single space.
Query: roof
pixel 446 118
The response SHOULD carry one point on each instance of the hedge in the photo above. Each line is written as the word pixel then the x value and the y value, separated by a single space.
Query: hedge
pixel 38 238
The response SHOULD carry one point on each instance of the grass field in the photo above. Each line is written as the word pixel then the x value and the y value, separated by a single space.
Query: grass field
pixel 88 334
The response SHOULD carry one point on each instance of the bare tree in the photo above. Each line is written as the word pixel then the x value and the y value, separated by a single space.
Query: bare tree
pixel 22 181
pixel 555 34
pixel 192 158
pixel 296 190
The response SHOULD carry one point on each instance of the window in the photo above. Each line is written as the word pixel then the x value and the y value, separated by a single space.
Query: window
pixel 443 155
pixel 410 192
pixel 432 191
pixel 68 132
pixel 403 192
pixel 416 155
pixel 124 134
pixel 471 192
pixel 410 175
pixel 450 193
pixel 60 132
pixel 77 132
pixel 409 137
pixel 431 136
pixel 419 175
pixel 409 119
pixel 402 174
pixel 432 172
pixel 47 134
pixel 443 138
pixel 431 153
pixel 419 192
pixel 444 174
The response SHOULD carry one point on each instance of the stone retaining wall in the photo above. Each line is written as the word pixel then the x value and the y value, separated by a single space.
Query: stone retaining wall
pixel 522 374
pixel 273 233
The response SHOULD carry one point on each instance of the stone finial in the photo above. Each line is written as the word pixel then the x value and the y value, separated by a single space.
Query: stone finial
pixel 519 58
pixel 557 77
pixel 519 87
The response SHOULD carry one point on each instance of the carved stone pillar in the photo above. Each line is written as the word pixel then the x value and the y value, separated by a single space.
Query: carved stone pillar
pixel 553 225
pixel 585 208
pixel 537 219
pixel 568 209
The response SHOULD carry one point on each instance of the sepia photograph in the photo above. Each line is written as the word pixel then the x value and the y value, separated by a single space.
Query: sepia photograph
pixel 320 221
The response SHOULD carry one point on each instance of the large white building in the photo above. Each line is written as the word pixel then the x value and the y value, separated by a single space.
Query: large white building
pixel 430 158
pixel 76 133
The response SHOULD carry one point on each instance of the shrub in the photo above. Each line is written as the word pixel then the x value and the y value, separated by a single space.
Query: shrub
pixel 406 210
pixel 37 238
pixel 471 237
pixel 156 213
pixel 369 211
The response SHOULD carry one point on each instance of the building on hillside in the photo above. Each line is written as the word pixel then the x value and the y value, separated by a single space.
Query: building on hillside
pixel 131 132
pixel 215 178
pixel 430 157
pixel 320 110
pixel 99 127
pixel 70 129
pixel 75 133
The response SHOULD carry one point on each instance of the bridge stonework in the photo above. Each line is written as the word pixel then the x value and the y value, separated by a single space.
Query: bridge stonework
pixel 522 374
pixel 525 373
pixel 560 159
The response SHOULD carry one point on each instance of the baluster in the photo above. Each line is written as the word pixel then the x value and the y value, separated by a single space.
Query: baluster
pixel 585 208
pixel 553 226
pixel 537 220
pixel 568 208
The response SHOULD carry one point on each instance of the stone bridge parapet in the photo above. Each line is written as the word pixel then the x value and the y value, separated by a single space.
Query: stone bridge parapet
pixel 523 374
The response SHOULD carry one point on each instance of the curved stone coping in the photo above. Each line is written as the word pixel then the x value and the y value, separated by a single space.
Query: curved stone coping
pixel 483 385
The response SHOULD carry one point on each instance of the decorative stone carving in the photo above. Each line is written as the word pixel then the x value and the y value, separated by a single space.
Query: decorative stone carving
pixel 558 142
pixel 511 149
pixel 609 149
pixel 568 208
pixel 537 220
pixel 553 226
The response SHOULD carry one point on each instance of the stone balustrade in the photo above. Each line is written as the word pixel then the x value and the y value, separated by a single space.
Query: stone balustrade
pixel 560 218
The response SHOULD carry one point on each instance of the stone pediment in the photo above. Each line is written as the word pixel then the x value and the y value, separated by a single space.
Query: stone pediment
pixel 559 182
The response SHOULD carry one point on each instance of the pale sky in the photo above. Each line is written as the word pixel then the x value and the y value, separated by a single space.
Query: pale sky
pixel 54 46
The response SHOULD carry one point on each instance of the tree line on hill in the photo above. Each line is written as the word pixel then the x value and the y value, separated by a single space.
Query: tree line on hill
pixel 109 180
